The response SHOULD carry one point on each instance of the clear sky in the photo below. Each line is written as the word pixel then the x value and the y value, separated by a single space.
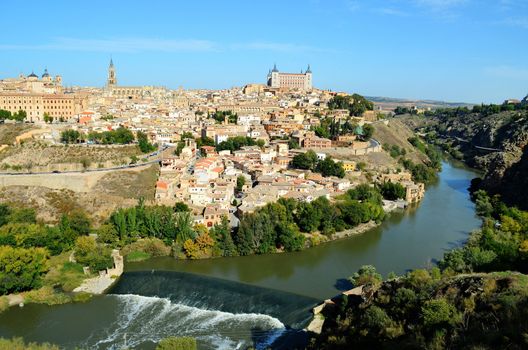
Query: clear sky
pixel 455 50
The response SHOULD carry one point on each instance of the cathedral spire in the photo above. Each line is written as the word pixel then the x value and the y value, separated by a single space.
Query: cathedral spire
pixel 112 79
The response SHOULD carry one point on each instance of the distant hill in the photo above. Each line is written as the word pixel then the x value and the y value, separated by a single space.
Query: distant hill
pixel 391 103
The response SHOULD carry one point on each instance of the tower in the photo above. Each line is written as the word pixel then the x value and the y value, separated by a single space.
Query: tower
pixel 112 80
pixel 273 80
pixel 308 80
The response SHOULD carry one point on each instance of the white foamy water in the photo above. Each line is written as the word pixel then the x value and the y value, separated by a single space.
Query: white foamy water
pixel 141 321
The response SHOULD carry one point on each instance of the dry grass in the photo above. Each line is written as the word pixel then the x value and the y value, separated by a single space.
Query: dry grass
pixel 9 132
pixel 130 184
pixel 114 190
pixel 397 133
pixel 39 153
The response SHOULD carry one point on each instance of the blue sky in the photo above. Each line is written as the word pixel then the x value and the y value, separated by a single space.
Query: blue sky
pixel 455 50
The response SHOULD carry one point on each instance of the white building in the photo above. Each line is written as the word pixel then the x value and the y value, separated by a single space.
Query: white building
pixel 299 81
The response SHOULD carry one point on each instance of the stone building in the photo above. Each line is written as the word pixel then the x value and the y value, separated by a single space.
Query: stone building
pixel 58 106
pixel 298 81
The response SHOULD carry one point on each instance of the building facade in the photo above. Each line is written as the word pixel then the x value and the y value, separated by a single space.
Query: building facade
pixel 57 106
pixel 297 81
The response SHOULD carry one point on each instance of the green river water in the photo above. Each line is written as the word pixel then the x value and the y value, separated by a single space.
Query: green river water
pixel 231 303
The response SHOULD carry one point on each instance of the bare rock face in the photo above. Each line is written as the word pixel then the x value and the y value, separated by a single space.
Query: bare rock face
pixel 495 143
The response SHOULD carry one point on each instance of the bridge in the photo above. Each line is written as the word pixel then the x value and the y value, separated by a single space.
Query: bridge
pixel 489 149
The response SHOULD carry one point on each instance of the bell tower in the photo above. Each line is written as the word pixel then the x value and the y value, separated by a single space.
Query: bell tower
pixel 112 80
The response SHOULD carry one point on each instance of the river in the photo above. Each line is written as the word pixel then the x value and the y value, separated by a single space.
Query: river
pixel 234 302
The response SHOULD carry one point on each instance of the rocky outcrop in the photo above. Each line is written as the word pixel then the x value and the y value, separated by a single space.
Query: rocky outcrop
pixel 495 143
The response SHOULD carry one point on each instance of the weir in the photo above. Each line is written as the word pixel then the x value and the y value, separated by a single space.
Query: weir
pixel 211 293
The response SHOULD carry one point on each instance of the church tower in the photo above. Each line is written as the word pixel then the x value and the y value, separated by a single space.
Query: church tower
pixel 112 80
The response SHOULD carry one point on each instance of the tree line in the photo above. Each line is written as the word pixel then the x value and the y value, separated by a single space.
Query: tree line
pixel 119 136
pixel 17 116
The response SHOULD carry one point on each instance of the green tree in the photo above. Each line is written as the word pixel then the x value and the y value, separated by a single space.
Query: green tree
pixel 21 268
pixel 308 217
pixel 392 191
pixel 20 344
pixel 307 160
pixel 47 118
pixel 255 234
pixel 183 226
pixel 70 136
pixel 4 114
pixel 19 116
pixel 368 131
pixel 89 253
pixel 143 143
pixel 241 181
pixel 181 207
pixel 289 237
pixel 327 167
pixel 222 235
pixel 5 212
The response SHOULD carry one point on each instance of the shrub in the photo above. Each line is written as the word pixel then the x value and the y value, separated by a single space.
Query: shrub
pixel 46 295
pixel 19 344
pixel 177 343
pixel 366 275
pixel 438 312
pixel 150 246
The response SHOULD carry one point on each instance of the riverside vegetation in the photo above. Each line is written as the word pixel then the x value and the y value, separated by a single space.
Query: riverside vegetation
pixel 477 295
pixel 472 300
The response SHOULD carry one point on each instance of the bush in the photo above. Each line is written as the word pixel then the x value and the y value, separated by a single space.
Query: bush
pixel 439 312
pixel 19 344
pixel 46 295
pixel 89 253
pixel 366 275
pixel 150 246
pixel 177 343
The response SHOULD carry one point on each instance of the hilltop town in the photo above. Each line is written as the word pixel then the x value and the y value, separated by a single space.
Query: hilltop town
pixel 224 153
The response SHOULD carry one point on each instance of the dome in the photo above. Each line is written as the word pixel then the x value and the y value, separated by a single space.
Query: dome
pixel 32 75
pixel 46 74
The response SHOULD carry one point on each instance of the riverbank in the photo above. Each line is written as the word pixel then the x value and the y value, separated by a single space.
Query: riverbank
pixel 88 287
pixel 101 283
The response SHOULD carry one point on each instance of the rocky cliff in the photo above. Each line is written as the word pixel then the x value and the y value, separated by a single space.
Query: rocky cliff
pixel 493 142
